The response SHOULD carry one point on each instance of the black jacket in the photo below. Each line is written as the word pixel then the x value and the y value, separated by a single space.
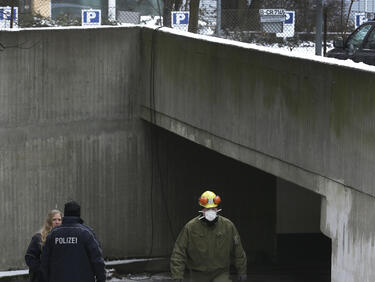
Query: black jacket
pixel 32 258
pixel 72 254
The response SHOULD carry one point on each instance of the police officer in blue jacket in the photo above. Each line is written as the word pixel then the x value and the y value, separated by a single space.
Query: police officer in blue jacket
pixel 72 252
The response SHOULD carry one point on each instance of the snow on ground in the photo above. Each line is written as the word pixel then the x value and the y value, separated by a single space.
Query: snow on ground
pixel 151 20
pixel 13 273
pixel 126 261
pixel 143 277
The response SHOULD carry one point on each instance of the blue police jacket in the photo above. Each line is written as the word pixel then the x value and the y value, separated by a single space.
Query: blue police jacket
pixel 72 253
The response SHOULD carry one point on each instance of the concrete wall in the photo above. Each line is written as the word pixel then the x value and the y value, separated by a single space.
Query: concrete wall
pixel 308 122
pixel 69 129
pixel 314 116
pixel 298 209
pixel 348 218
pixel 299 238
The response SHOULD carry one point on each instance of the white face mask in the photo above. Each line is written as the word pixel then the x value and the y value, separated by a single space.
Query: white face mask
pixel 210 215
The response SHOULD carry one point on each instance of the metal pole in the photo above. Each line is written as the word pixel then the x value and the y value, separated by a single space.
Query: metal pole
pixel 319 21
pixel 111 10
pixel 342 15
pixel 218 17
pixel 325 13
pixel 162 22
pixel 11 14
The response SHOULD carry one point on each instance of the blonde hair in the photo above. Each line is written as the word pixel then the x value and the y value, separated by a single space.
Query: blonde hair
pixel 47 227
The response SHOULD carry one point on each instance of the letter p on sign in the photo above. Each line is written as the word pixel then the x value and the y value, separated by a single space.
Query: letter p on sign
pixel 91 17
pixel 180 18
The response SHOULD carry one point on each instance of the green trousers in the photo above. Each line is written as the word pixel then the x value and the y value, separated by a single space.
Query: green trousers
pixel 214 276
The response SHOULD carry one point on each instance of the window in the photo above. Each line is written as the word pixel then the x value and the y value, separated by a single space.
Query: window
pixel 356 39
pixel 370 42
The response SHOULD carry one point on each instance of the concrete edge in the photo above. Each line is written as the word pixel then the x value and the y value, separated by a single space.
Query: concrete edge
pixel 136 265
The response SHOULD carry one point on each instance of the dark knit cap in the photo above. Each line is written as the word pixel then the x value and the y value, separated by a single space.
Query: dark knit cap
pixel 72 208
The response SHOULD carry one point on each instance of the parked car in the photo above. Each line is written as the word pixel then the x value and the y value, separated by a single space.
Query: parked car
pixel 359 46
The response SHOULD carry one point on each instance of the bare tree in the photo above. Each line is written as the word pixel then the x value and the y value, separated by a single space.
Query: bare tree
pixel 255 4
pixel 194 14
pixel 347 19
pixel 335 10
pixel 177 4
pixel 168 7
pixel 243 14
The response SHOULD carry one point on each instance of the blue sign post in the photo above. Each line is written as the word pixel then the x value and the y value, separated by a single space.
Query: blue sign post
pixel 289 17
pixel 180 20
pixel 91 17
pixel 288 25
pixel 5 16
pixel 360 18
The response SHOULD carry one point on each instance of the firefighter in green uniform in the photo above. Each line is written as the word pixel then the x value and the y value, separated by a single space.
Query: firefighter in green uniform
pixel 207 245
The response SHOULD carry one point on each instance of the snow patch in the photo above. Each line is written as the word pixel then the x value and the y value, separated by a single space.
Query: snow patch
pixel 126 261
pixel 13 273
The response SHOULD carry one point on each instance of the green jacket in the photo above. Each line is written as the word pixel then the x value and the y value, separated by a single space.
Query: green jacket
pixel 206 248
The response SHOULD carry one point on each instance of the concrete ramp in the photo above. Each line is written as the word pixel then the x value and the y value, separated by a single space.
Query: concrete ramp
pixel 308 121
pixel 77 109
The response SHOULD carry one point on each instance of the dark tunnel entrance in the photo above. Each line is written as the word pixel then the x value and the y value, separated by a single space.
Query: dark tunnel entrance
pixel 279 222
pixel 302 250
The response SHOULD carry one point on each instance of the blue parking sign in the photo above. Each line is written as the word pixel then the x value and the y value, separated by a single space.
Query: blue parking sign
pixel 288 25
pixel 289 17
pixel 91 17
pixel 360 18
pixel 180 18
pixel 6 15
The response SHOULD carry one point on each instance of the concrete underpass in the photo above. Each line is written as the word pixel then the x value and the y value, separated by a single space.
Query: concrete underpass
pixel 279 222
pixel 135 123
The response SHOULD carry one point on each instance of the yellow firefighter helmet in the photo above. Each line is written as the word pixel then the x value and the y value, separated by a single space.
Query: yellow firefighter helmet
pixel 209 200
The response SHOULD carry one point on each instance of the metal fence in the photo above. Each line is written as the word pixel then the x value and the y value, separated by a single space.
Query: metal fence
pixel 246 25
pixel 292 29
